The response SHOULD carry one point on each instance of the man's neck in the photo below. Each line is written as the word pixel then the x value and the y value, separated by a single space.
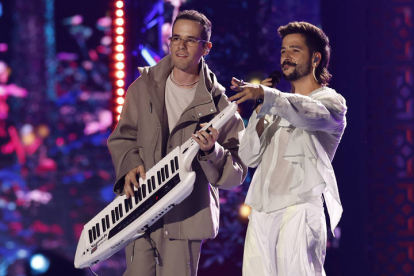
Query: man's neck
pixel 305 85
pixel 183 77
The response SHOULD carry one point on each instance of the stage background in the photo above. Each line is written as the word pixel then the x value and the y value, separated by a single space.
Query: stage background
pixel 56 112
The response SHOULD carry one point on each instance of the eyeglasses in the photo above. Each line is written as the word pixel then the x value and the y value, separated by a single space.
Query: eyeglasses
pixel 189 41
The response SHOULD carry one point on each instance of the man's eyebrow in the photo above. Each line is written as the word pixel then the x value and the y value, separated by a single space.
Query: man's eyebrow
pixel 176 35
pixel 293 46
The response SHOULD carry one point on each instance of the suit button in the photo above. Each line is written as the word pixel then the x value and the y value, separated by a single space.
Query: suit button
pixel 166 233
pixel 199 114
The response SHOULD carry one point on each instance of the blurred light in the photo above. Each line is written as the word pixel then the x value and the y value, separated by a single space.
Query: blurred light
pixel 43 131
pixel 39 263
pixel 28 139
pixel 11 206
pixel 120 65
pixel 119 30
pixel 120 74
pixel 119 22
pixel 147 56
pixel 120 83
pixel 119 4
pixel 9 245
pixel 255 81
pixel 106 40
pixel 26 129
pixel 120 57
pixel 119 39
pixel 1 9
pixel 119 117
pixel 22 253
pixel 120 100
pixel 119 109
pixel 245 210
pixel 120 91
pixel 119 48
pixel 119 13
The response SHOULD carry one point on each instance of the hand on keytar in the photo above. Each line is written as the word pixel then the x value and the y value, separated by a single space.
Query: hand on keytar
pixel 131 179
pixel 205 140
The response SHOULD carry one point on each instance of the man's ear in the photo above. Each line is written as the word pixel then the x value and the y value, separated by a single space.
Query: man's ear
pixel 207 48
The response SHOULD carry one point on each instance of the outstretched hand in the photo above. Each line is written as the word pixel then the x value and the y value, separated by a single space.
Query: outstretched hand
pixel 246 91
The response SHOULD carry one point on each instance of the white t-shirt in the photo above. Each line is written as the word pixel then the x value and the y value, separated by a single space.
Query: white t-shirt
pixel 177 99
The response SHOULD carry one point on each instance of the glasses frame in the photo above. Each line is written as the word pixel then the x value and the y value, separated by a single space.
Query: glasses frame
pixel 185 40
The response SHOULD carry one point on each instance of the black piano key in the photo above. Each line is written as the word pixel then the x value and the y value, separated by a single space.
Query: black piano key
pixel 107 221
pixel 144 190
pixel 176 163
pixel 149 186
pixel 153 183
pixel 116 213
pixel 90 236
pixel 159 177
pixel 121 212
pixel 162 175
pixel 98 230
pixel 139 194
pixel 172 166
pixel 94 232
pixel 113 216
pixel 136 197
pixel 103 225
pixel 167 174
pixel 126 205
pixel 154 186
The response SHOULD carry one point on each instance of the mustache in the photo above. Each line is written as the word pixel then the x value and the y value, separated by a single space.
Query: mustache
pixel 287 62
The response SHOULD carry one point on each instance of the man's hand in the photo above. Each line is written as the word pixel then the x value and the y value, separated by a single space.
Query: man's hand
pixel 247 91
pixel 131 179
pixel 206 141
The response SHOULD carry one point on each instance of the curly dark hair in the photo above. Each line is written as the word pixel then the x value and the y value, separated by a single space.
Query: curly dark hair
pixel 197 17
pixel 317 41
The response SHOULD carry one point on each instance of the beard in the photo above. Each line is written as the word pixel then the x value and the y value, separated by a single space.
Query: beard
pixel 299 71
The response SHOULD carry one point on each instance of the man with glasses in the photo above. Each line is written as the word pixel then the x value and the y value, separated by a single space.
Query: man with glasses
pixel 164 107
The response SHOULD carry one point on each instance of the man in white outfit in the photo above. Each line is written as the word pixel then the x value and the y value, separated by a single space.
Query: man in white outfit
pixel 291 138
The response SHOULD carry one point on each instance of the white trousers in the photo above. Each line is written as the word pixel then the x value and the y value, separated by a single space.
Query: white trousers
pixel 288 242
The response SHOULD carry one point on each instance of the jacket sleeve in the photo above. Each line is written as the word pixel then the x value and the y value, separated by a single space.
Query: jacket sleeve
pixel 325 111
pixel 251 145
pixel 122 142
pixel 223 167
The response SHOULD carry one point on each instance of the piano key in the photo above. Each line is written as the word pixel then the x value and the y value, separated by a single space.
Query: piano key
pixel 154 186
pixel 159 177
pixel 153 183
pixel 116 213
pixel 107 221
pixel 176 163
pixel 94 232
pixel 144 190
pixel 121 212
pixel 172 166
pixel 113 216
pixel 149 186
pixel 126 205
pixel 90 236
pixel 139 194
pixel 167 174
pixel 103 225
pixel 162 175
pixel 136 197
pixel 98 230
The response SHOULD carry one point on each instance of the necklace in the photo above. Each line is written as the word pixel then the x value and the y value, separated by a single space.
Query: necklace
pixel 175 82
